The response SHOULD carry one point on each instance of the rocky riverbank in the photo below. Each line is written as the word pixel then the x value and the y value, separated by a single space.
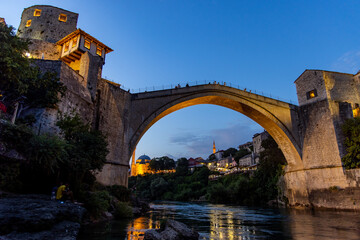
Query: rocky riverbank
pixel 37 217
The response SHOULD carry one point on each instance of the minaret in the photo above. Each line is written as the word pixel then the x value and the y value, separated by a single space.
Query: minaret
pixel 133 165
pixel 214 148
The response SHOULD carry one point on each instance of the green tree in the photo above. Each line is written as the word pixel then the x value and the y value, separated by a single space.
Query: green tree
pixel 14 67
pixel 182 167
pixel 351 130
pixel 158 187
pixel 20 80
pixel 169 163
pixel 270 167
pixel 212 157
pixel 239 154
pixel 154 165
pixel 87 149
pixel 229 151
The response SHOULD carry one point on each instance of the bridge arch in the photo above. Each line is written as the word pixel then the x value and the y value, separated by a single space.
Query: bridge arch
pixel 278 118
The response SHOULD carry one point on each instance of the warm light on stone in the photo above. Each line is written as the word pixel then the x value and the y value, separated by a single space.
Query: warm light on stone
pixel 62 17
pixel 28 23
pixel 37 12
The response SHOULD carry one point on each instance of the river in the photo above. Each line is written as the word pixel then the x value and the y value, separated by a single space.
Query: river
pixel 216 221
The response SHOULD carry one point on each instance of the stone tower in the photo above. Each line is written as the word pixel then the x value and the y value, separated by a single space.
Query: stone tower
pixel 47 23
pixel 214 148
pixel 133 165
pixel 54 36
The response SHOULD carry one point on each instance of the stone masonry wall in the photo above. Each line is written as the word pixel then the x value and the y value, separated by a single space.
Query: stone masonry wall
pixel 319 139
pixel 112 118
pixel 40 49
pixel 47 26
pixel 76 98
pixel 341 87
pixel 310 80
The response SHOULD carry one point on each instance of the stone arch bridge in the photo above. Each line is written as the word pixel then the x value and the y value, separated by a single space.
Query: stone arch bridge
pixel 309 134
pixel 279 118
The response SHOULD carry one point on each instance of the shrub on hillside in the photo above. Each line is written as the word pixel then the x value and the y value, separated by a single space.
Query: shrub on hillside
pixel 9 175
pixel 351 130
pixel 98 202
pixel 120 192
pixel 122 210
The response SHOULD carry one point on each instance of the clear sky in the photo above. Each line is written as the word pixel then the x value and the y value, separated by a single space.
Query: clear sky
pixel 261 45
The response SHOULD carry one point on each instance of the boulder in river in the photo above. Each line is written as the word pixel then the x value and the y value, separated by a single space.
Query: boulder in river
pixel 173 230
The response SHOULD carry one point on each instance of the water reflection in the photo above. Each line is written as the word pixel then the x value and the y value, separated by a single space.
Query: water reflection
pixel 324 225
pixel 220 222
pixel 138 227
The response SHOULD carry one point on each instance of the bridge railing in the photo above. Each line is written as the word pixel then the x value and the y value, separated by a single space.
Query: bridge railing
pixel 197 83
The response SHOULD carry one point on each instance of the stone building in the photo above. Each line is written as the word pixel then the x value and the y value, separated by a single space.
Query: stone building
pixel 57 45
pixel 142 165
pixel 246 146
pixel 246 160
pixel 257 148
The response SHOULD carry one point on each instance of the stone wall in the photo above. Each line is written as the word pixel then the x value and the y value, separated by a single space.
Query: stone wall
pixel 91 68
pixel 47 26
pixel 310 80
pixel 353 177
pixel 336 198
pixel 323 179
pixel 40 49
pixel 76 98
pixel 341 87
pixel 112 118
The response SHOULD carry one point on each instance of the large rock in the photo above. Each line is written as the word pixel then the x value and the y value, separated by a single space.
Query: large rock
pixel 140 207
pixel 37 217
pixel 152 234
pixel 182 229
pixel 173 230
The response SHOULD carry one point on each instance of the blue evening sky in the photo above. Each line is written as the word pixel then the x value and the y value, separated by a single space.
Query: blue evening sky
pixel 260 45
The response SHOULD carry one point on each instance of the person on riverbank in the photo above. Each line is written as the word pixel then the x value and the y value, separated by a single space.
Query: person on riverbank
pixel 64 193
pixel 59 192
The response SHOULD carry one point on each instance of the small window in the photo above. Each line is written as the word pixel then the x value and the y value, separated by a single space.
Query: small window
pixel 28 23
pixel 37 12
pixel 66 48
pixel 311 94
pixel 99 51
pixel 62 17
pixel 74 42
pixel 87 44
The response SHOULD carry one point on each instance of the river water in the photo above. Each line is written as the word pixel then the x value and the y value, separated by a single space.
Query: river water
pixel 215 221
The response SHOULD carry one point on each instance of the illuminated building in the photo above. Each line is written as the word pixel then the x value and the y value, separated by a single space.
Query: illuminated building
pixel 141 166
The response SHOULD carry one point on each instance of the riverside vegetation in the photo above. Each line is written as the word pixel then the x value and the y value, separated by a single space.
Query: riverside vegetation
pixel 33 163
pixel 255 189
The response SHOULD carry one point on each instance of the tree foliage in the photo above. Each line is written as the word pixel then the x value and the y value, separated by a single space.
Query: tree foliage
pixel 351 130
pixel 87 148
pixel 162 163
pixel 172 186
pixel 212 157
pixel 14 67
pixel 182 167
pixel 230 151
pixel 20 80
pixel 50 159
pixel 241 153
